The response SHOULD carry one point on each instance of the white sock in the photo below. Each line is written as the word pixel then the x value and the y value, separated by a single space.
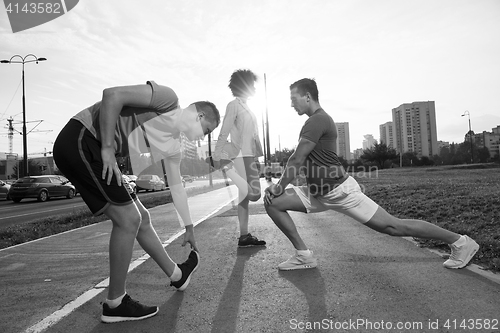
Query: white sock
pixel 461 241
pixel 304 252
pixel 113 303
pixel 176 275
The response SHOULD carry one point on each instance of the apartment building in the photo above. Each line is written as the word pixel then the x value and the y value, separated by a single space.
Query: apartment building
pixel 387 134
pixel 369 141
pixel 490 140
pixel 343 141
pixel 414 126
pixel 357 153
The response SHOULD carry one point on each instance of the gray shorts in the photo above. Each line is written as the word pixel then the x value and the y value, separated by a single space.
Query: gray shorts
pixel 347 198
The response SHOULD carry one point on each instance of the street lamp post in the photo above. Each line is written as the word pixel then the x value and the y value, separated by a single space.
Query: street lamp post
pixel 25 141
pixel 268 142
pixel 466 113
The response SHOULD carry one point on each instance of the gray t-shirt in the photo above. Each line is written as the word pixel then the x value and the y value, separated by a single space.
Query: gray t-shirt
pixel 156 120
pixel 323 167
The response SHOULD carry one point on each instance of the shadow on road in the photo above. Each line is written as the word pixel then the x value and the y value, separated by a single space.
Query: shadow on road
pixel 170 312
pixel 226 316
pixel 311 284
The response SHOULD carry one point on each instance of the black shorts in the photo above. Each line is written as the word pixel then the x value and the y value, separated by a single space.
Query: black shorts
pixel 77 154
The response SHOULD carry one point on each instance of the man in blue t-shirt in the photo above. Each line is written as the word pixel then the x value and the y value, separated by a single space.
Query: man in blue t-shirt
pixel 329 187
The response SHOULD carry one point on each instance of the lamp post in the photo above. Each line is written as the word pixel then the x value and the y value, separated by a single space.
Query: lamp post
pixel 268 142
pixel 466 113
pixel 25 141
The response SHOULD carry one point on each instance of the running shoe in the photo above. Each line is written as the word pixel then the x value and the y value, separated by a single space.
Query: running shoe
pixel 129 309
pixel 298 262
pixel 461 255
pixel 188 268
pixel 249 240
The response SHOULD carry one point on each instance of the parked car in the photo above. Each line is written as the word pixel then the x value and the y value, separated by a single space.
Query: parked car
pixel 133 178
pixel 42 188
pixel 187 178
pixel 129 183
pixel 150 183
pixel 4 190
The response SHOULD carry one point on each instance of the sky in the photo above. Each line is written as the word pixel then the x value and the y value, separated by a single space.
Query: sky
pixel 367 57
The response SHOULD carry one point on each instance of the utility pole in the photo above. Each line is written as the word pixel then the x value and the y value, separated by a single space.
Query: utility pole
pixel 268 176
pixel 25 139
pixel 211 164
pixel 264 141
pixel 467 113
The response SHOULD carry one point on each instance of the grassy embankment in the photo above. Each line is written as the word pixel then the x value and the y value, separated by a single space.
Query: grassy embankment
pixel 79 218
pixel 462 199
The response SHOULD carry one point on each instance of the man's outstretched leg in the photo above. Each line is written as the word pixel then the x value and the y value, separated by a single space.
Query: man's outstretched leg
pixel 463 248
pixel 278 211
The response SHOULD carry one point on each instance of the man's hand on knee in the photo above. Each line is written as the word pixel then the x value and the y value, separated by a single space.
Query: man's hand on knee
pixel 273 191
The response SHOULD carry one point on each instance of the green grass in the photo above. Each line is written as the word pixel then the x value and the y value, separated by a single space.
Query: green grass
pixel 459 199
pixel 19 234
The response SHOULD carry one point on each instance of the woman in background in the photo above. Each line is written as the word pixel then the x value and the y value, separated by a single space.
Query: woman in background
pixel 239 157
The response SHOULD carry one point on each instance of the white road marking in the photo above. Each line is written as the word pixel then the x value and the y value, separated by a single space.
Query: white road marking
pixel 97 289
pixel 37 213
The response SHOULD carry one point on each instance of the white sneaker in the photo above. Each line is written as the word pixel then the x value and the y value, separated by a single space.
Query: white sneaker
pixel 298 262
pixel 461 255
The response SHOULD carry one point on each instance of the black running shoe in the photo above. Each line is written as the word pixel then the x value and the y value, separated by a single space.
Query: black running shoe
pixel 129 309
pixel 188 267
pixel 249 240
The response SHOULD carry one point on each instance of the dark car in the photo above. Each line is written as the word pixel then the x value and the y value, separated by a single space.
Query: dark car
pixel 150 183
pixel 41 188
pixel 4 190
pixel 187 178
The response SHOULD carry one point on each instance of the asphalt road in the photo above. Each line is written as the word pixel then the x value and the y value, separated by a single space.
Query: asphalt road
pixel 365 281
pixel 30 210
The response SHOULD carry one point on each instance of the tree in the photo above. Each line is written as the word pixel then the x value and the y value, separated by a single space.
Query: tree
pixel 410 158
pixel 437 159
pixel 425 160
pixel 379 154
pixel 446 155
pixel 464 150
pixel 483 154
pixel 282 156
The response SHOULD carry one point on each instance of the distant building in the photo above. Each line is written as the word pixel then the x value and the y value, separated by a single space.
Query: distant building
pixel 490 140
pixel 8 165
pixel 369 141
pixel 188 148
pixel 357 153
pixel 387 134
pixel 343 141
pixel 46 164
pixel 443 144
pixel 415 128
pixel 203 149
